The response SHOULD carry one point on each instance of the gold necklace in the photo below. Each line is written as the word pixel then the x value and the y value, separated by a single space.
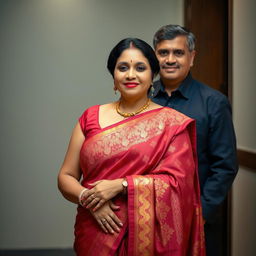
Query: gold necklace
pixel 128 114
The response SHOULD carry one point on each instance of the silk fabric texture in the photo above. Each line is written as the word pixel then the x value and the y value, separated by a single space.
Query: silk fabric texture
pixel 161 213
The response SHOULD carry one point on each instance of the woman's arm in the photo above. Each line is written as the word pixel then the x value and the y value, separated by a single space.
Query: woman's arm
pixel 70 174
pixel 70 187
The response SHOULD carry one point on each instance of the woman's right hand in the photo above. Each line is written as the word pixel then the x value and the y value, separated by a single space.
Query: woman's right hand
pixel 107 219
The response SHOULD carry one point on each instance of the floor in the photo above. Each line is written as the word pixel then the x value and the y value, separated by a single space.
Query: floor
pixel 44 252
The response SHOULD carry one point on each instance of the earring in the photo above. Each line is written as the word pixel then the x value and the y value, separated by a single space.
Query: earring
pixel 152 90
pixel 115 89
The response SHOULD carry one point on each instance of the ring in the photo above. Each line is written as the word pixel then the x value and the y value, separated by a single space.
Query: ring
pixel 93 196
pixel 103 221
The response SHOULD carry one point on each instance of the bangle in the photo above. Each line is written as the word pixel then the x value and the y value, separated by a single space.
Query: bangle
pixel 80 196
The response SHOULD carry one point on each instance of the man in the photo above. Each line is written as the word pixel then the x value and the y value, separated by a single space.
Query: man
pixel 216 143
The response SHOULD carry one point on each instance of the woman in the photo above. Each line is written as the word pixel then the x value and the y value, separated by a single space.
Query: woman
pixel 139 194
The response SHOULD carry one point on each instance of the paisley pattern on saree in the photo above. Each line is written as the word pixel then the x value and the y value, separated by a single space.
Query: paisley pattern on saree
pixel 120 138
pixel 144 216
pixel 160 187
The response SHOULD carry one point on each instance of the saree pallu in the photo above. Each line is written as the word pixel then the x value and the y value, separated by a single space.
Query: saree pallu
pixel 161 212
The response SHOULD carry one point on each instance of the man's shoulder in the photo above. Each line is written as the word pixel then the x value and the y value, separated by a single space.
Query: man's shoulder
pixel 208 93
pixel 206 88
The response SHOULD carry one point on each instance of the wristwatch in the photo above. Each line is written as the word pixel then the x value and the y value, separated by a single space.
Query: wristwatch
pixel 125 185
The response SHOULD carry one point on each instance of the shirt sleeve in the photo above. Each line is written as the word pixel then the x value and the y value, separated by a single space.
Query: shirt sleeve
pixel 222 156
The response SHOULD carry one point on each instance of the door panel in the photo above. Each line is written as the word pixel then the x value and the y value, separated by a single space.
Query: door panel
pixel 208 20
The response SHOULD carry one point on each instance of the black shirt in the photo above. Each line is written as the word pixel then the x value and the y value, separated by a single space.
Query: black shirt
pixel 216 142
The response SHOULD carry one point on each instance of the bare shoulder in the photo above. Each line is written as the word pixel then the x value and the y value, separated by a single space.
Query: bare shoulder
pixel 106 107
pixel 108 115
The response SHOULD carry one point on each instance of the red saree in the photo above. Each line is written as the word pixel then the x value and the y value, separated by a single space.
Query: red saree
pixel 161 213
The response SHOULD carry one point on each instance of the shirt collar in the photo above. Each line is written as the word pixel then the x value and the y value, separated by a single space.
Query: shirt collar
pixel 183 89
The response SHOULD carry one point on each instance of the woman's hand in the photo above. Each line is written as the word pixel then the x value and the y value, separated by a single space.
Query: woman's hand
pixel 107 219
pixel 102 191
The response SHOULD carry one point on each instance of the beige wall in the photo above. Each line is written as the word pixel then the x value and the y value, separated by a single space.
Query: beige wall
pixel 244 78
pixel 52 66
pixel 244 212
pixel 244 92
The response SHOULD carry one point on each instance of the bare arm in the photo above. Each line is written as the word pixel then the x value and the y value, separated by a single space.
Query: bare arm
pixel 70 174
pixel 70 187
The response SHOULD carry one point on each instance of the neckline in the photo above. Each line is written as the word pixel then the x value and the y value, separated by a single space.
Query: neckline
pixel 184 88
pixel 124 120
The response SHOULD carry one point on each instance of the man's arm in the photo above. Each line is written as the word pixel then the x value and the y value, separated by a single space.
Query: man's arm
pixel 222 156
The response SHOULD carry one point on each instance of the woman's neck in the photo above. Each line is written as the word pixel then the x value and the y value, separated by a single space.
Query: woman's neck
pixel 132 105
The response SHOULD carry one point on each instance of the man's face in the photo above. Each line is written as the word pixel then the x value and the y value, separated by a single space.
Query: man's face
pixel 175 59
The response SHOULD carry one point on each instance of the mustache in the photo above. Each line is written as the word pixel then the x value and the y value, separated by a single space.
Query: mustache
pixel 170 65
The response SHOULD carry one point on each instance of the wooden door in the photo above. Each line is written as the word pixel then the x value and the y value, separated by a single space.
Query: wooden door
pixel 208 20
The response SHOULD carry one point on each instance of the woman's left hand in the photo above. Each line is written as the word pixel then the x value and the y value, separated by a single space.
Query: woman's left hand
pixel 102 191
pixel 107 219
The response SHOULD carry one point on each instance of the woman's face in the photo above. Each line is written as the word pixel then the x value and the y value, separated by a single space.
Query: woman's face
pixel 132 74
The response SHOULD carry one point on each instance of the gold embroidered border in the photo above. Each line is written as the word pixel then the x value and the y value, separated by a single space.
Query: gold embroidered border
pixel 122 137
pixel 162 210
pixel 144 216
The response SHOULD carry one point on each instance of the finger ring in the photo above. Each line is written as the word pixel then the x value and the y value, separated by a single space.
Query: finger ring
pixel 93 196
pixel 103 221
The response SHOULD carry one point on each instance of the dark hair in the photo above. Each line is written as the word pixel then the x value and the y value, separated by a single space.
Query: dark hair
pixel 127 43
pixel 169 32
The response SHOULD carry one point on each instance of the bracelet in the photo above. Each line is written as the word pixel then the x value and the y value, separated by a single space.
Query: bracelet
pixel 80 196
